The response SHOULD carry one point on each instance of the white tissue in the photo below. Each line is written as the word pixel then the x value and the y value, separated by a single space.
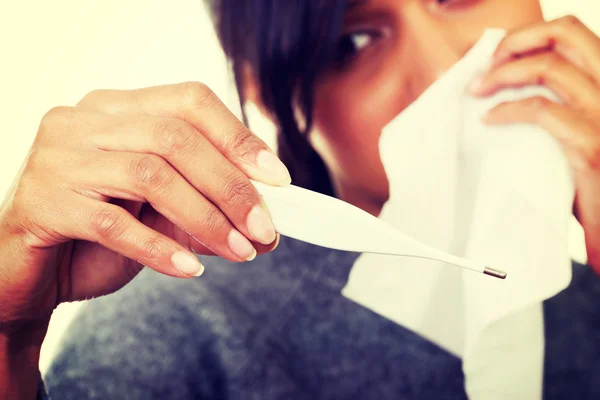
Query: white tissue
pixel 501 195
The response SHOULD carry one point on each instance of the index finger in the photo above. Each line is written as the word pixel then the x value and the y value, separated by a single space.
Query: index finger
pixel 199 106
pixel 568 36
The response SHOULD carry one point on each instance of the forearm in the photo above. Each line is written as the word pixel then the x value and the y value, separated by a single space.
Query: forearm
pixel 19 358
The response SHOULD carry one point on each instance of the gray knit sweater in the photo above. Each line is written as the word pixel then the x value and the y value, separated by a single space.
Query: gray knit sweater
pixel 278 328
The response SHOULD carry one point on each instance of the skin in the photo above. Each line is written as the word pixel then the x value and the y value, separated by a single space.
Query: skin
pixel 355 102
pixel 122 180
pixel 151 173
pixel 411 43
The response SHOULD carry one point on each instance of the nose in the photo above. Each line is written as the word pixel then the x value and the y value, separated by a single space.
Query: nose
pixel 433 44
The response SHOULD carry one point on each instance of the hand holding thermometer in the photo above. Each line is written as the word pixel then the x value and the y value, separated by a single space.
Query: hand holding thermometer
pixel 329 222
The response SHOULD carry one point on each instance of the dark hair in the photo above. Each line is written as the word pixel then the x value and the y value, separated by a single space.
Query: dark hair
pixel 287 44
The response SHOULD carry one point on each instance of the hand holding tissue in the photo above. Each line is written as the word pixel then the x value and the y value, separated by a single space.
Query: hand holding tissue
pixel 502 195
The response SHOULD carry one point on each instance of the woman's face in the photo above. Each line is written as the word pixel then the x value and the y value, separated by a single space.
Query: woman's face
pixel 391 51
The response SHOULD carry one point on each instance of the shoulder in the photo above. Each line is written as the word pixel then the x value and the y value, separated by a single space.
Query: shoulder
pixel 572 329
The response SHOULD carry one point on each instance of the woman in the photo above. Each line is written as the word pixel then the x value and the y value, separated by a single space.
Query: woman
pixel 133 178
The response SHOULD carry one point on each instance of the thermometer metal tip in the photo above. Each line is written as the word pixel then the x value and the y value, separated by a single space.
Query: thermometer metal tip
pixel 495 273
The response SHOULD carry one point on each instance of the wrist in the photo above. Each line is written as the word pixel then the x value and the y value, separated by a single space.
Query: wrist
pixel 19 361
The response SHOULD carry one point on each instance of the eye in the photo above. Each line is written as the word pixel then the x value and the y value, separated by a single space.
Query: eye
pixel 457 3
pixel 351 44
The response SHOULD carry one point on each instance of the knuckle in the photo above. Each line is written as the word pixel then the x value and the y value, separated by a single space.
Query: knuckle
pixel 551 63
pixel 93 97
pixel 151 172
pixel 540 104
pixel 56 118
pixel 109 222
pixel 568 21
pixel 237 191
pixel 174 135
pixel 197 94
pixel 153 249
pixel 552 60
pixel 212 221
pixel 242 143
pixel 541 107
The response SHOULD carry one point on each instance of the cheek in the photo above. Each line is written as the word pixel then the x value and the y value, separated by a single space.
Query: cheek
pixel 350 114
pixel 352 117
pixel 512 14
pixel 351 109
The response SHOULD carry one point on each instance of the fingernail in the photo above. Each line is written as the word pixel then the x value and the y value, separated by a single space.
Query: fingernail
pixel 475 85
pixel 277 240
pixel 260 225
pixel 240 246
pixel 187 263
pixel 272 165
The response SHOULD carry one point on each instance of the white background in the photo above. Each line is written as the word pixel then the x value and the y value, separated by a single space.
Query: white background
pixel 53 52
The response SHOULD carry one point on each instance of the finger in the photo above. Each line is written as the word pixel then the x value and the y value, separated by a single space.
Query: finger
pixel 572 129
pixel 199 106
pixel 550 69
pixel 182 146
pixel 149 178
pixel 209 171
pixel 158 222
pixel 567 36
pixel 97 270
pixel 82 218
